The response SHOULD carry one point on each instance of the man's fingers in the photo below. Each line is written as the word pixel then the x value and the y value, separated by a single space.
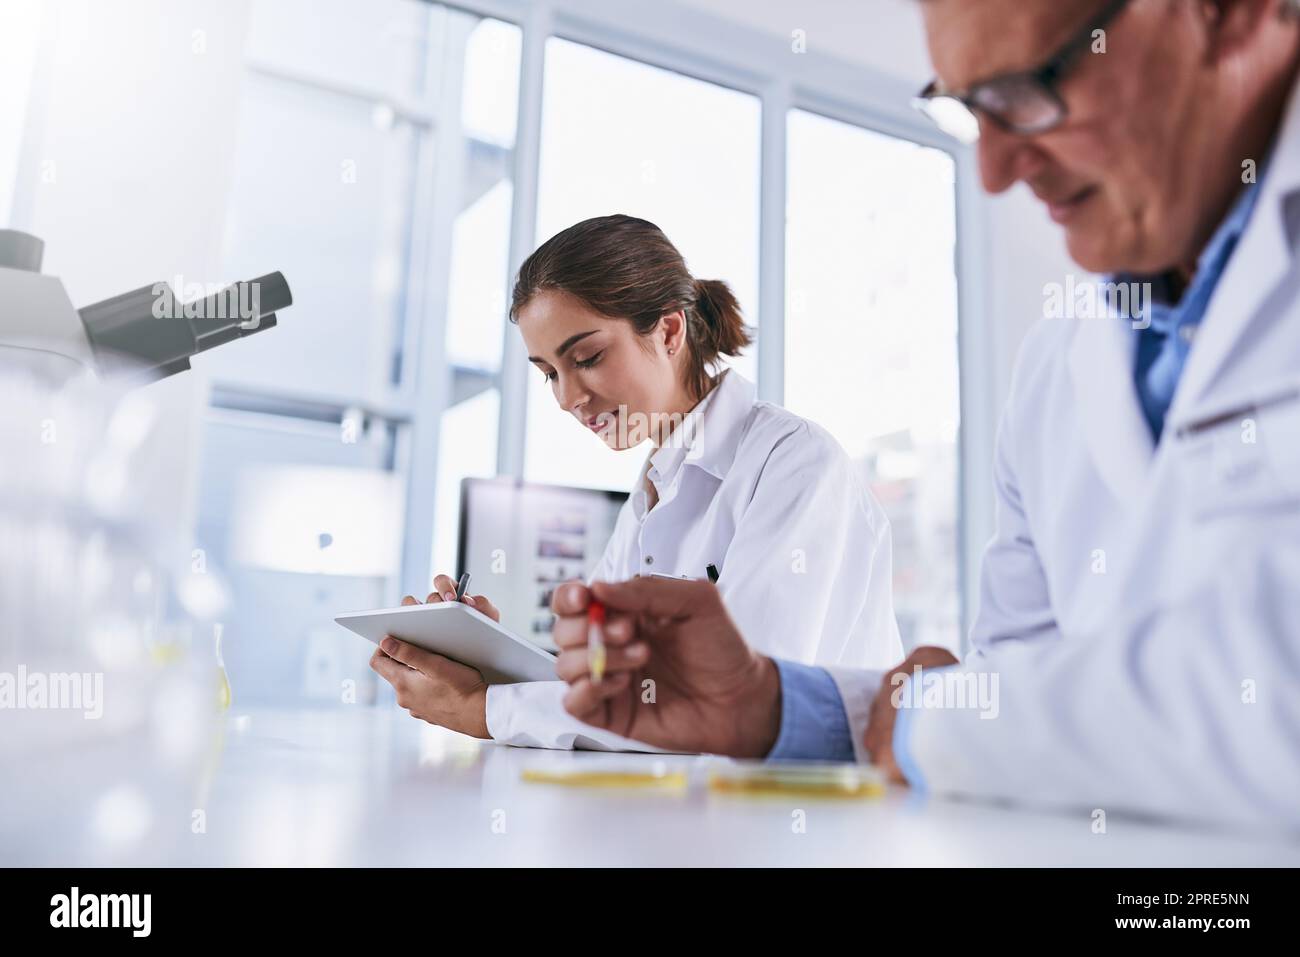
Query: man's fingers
pixel 410 600
pixel 586 701
pixel 932 656
pixel 656 597
pixel 569 602
pixel 571 598
pixel 653 597
pixel 878 738
pixel 571 632
pixel 572 664
pixel 875 725
pixel 927 656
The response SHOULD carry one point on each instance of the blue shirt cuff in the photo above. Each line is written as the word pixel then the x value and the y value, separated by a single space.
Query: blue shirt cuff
pixel 814 725
pixel 903 757
pixel 904 719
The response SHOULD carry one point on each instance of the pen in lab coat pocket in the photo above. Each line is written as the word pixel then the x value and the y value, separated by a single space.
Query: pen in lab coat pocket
pixel 711 570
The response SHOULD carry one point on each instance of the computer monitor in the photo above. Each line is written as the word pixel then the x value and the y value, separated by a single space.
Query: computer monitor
pixel 518 540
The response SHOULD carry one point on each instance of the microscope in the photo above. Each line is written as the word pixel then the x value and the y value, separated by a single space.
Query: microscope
pixel 145 332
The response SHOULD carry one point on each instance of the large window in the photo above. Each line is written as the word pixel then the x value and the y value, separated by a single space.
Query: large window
pixel 871 340
pixel 677 151
pixel 396 159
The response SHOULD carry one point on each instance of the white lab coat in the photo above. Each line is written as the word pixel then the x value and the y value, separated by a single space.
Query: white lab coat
pixel 1141 606
pixel 801 545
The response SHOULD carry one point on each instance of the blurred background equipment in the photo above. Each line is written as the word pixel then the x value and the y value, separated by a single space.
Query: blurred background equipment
pixel 148 327
pixel 520 539
pixel 111 673
pixel 108 679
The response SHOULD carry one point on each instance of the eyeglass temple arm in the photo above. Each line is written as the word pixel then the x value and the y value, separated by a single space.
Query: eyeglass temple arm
pixel 1057 65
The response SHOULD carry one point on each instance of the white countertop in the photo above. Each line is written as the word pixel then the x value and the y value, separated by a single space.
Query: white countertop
pixel 367 786
pixel 377 787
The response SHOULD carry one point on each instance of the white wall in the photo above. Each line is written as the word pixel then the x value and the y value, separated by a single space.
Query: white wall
pixel 1024 249
pixel 884 34
pixel 129 141
pixel 19 22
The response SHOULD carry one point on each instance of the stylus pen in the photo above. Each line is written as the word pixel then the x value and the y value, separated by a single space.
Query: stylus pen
pixel 461 586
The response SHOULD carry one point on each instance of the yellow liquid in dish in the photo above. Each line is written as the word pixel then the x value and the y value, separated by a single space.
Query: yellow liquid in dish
pixel 667 780
pixel 846 782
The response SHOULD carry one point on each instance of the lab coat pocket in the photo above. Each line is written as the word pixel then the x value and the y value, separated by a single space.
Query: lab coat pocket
pixel 1248 462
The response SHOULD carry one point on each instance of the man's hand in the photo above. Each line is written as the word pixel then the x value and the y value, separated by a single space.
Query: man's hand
pixel 879 737
pixel 678 674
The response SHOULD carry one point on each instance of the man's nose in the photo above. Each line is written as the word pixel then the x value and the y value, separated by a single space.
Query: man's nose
pixel 1005 158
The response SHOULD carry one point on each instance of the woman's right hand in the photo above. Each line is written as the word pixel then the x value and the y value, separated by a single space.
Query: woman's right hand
pixel 445 590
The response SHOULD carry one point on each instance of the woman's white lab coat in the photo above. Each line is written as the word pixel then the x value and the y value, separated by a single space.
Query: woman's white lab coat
pixel 801 545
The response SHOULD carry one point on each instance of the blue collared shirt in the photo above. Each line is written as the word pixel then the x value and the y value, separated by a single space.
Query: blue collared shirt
pixel 1179 320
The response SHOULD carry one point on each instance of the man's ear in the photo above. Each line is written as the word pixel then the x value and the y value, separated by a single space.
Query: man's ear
pixel 1235 25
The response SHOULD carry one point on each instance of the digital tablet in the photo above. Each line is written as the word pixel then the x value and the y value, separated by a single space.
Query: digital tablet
pixel 459 632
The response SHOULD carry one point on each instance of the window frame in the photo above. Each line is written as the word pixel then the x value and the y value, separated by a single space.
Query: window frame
pixel 691 42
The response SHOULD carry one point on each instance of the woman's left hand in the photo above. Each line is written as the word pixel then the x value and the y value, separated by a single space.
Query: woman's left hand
pixel 434 688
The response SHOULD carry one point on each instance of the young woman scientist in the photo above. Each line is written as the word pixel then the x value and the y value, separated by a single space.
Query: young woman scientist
pixel 630 343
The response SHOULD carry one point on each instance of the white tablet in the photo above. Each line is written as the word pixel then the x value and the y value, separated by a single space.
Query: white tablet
pixel 461 633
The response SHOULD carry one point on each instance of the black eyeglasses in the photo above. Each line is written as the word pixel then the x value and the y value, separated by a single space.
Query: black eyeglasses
pixel 1024 103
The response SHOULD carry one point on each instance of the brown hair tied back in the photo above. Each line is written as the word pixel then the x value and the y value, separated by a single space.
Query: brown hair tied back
pixel 625 268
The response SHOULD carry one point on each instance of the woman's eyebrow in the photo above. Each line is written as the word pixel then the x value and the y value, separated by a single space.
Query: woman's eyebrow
pixel 566 345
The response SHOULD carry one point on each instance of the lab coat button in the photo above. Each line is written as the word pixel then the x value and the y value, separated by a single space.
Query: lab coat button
pixel 649 559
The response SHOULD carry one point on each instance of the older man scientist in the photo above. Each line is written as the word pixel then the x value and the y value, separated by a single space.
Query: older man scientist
pixel 1140 599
